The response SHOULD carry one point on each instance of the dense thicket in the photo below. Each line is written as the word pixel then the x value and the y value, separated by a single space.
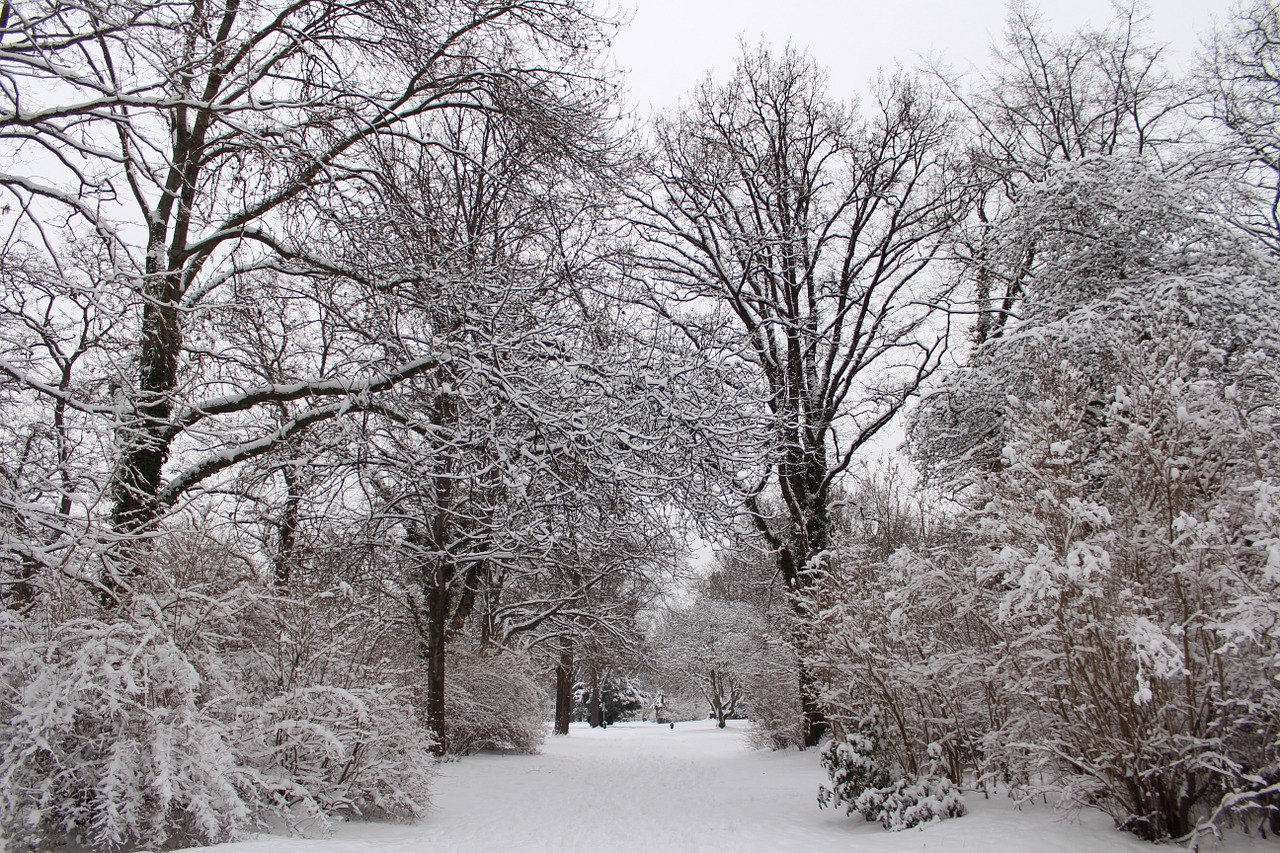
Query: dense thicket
pixel 1088 605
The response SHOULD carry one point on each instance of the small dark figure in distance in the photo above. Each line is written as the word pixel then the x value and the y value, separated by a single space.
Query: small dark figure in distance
pixel 673 725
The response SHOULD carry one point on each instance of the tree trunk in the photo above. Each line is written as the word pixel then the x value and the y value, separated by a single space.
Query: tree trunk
pixel 803 476
pixel 717 705
pixel 143 438
pixel 564 687
pixel 815 722
pixel 436 603
pixel 594 716
pixel 288 534
pixel 18 590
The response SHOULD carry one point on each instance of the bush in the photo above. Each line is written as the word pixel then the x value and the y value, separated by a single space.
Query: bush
pixel 861 781
pixel 494 701
pixel 323 752
pixel 110 741
pixel 854 764
pixel 906 804
pixel 159 729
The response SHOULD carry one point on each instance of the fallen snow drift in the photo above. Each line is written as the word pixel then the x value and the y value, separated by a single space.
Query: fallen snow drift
pixel 644 787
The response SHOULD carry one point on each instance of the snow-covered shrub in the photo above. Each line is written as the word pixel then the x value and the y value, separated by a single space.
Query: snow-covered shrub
pixel 895 632
pixel 169 725
pixel 1112 586
pixel 1133 571
pixel 110 738
pixel 894 629
pixel 494 701
pixel 908 803
pixel 324 752
pixel 854 762
pixel 863 782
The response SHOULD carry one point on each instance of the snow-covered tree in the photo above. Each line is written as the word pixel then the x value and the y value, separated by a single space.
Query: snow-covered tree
pixel 1242 74
pixel 714 646
pixel 193 159
pixel 1118 504
pixel 1047 99
pixel 797 235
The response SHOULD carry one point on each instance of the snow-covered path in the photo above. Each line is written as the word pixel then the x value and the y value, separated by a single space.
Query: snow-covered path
pixel 650 789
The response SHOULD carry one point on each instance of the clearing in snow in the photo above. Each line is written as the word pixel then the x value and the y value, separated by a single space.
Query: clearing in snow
pixel 646 787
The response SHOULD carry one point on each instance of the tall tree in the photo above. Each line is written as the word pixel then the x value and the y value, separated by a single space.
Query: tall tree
pixel 532 468
pixel 782 230
pixel 190 154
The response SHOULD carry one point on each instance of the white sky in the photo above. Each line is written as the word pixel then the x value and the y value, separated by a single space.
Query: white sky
pixel 670 45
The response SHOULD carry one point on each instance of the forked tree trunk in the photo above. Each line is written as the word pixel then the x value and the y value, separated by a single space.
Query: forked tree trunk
pixel 717 704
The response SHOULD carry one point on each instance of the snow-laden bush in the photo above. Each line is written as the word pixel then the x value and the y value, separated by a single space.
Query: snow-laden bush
pixel 862 782
pixel 854 762
pixel 110 738
pixel 161 728
pixel 494 701
pixel 1130 578
pixel 908 803
pixel 1101 625
pixel 323 752
pixel 894 631
pixel 1101 622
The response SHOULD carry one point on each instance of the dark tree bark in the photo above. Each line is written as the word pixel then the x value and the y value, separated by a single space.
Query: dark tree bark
pixel 595 715
pixel 287 539
pixel 564 687
pixel 434 643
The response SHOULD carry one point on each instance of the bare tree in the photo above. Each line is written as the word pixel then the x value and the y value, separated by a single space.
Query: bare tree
pixel 782 231
pixel 1243 77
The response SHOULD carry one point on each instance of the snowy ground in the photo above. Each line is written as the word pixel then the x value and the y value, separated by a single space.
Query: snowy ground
pixel 642 787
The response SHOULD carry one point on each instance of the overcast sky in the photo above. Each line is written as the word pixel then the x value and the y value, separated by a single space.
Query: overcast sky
pixel 670 45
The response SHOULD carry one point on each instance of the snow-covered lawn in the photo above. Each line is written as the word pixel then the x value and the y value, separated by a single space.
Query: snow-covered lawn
pixel 643 787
